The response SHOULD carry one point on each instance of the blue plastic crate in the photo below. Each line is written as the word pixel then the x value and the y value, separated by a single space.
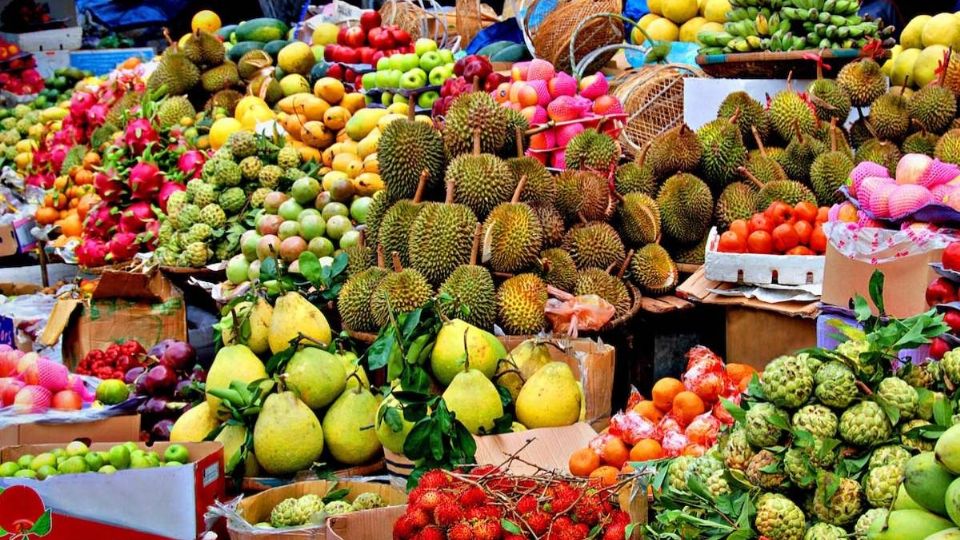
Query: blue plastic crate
pixel 105 60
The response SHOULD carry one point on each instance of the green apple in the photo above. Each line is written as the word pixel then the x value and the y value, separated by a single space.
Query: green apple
pixel 139 461
pixel 426 99
pixel 290 209
pixel 438 75
pixel 359 209
pixel 107 469
pixel 413 79
pixel 238 268
pixel 312 226
pixel 153 458
pixel 317 53
pixel 131 447
pixel 446 55
pixel 396 62
pixel 176 452
pixel 409 61
pixel 120 457
pixel 9 468
pixel 320 246
pixel 337 226
pixel 424 45
pixel 73 465
pixel 46 472
pixel 399 98
pixel 288 229
pixel 430 60
pixel 386 99
pixel 77 448
pixel 384 64
pixel 93 459
pixel 369 80
pixel 59 452
pixel 350 238
pixel 393 78
pixel 43 460
pixel 335 209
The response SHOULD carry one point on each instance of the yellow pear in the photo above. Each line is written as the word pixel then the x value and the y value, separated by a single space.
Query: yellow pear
pixel 449 355
pixel 195 424
pixel 287 436
pixel 551 398
pixel 259 315
pixel 232 437
pixel 390 439
pixel 351 366
pixel 232 363
pixel 474 400
pixel 348 427
pixel 316 376
pixel 526 358
pixel 912 35
pixel 294 315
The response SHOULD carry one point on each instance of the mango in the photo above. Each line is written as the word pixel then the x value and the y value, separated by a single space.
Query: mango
pixel 907 525
pixel 926 481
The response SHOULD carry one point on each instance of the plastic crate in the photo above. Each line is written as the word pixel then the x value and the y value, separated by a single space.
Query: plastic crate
pixel 104 61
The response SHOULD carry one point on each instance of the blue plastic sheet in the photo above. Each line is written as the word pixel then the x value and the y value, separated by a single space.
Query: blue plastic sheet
pixel 680 53
pixel 507 30
pixel 119 15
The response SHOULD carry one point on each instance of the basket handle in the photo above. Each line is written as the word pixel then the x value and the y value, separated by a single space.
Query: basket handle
pixel 580 26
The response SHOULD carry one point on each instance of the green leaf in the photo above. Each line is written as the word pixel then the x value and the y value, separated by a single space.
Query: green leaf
pixel 310 267
pixel 339 264
pixel 861 308
pixel 942 411
pixel 42 526
pixel 735 410
pixel 876 291
pixel 417 444
pixel 510 526
pixel 336 495
pixel 393 418
pixel 268 269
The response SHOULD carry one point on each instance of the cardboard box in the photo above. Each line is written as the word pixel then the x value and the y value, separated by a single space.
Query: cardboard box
pixel 16 238
pixel 60 39
pixel 165 501
pixel 371 525
pixel 115 428
pixel 906 281
pixel 125 305
pixel 257 508
pixel 757 336
pixel 49 61
pixel 699 288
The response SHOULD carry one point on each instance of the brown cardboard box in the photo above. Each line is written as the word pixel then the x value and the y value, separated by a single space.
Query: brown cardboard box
pixel 115 428
pixel 755 336
pixel 371 525
pixel 125 305
pixel 906 281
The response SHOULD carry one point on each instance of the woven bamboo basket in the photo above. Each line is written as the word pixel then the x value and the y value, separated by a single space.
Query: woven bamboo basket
pixel 569 30
pixel 420 18
pixel 653 99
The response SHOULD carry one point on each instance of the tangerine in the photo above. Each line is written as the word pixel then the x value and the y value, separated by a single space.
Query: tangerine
pixel 646 450
pixel 614 452
pixel 648 410
pixel 583 462
pixel 738 372
pixel 687 406
pixel 606 475
pixel 664 391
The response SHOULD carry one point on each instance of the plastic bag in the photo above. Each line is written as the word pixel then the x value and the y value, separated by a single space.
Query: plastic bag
pixel 570 314
pixel 879 246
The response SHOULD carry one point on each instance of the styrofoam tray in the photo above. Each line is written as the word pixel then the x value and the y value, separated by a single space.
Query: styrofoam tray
pixel 761 269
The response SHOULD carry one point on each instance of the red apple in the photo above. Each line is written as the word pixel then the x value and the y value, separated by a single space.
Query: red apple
pixel 330 52
pixel 369 19
pixel 380 39
pixel 342 35
pixel 356 37
pixel 67 400
pixel 377 55
pixel 941 291
pixel 349 55
pixel 951 256
pixel 938 348
pixel 401 36
pixel 366 54
pixel 952 318
pixel 335 71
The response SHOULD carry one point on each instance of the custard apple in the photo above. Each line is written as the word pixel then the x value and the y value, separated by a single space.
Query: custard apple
pixel 760 431
pixel 250 168
pixel 816 419
pixel 765 470
pixel 285 514
pixel 213 216
pixel 716 484
pixel 209 171
pixel 242 144
pixel 199 232
pixel 925 405
pixel 787 382
pixel 866 520
pixel 189 214
pixel 892 454
pixel 291 175
pixel 677 472
pixel 797 466
pixel 223 153
pixel 192 186
pixel 165 232
pixel 737 451
pixel 813 364
pixel 288 157
pixel 825 531
pixel 950 365
pixel 898 393
pixel 844 506
pixel 865 424
pixel 269 176
pixel 197 254
pixel 176 201
pixel 853 351
pixel 307 506
pixel 916 376
pixel 232 200
pixel 881 483
pixel 166 256
pixel 924 445
pixel 205 194
pixel 223 250
pixel 258 196
pixel 334 508
pixel 836 385
pixel 228 173
pixel 778 518
pixel 703 466
pixel 368 500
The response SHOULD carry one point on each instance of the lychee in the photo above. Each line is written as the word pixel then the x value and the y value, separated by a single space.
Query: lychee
pixel 594 86
pixel 32 399
pixel 540 70
pixel 562 84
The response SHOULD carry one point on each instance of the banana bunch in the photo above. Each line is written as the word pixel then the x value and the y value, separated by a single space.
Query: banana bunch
pixel 772 5
pixel 747 14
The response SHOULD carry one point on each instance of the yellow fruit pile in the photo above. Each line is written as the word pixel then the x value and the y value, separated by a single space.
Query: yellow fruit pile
pixel 923 44
pixel 681 20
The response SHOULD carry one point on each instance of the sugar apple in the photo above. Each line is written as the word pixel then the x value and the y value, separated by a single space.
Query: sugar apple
pixel 853 351
pixel 165 232
pixel 922 376
pixel 228 173
pixel 334 508
pixel 285 514
pixel 205 194
pixel 813 364
pixel 798 468
pixel 825 531
pixel 223 153
pixel 213 216
pixel 892 454
pixel 189 214
pixel 765 470
pixel 199 232
pixel 232 200
pixel 368 500
pixel 778 518
pixel 836 385
pixel 919 443
pixel 192 186
pixel 197 254
pixel 677 472
pixel 250 168
pixel 787 382
pixel 865 424
pixel 288 157
pixel 717 485
pixel 703 466
pixel 816 419
pixel 863 522
pixel 950 365
pixel 844 506
pixel 242 144
pixel 737 451
pixel 307 506
pixel 881 483
pixel 898 393
pixel 176 201
pixel 209 171
pixel 760 432
pixel 269 176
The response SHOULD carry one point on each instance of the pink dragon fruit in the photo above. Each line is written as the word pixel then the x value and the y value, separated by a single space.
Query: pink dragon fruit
pixel 56 156
pixel 92 252
pixel 122 247
pixel 139 135
pixel 136 217
pixel 100 222
pixel 166 190
pixel 145 181
pixel 191 163
pixel 107 185
pixel 80 103
pixel 151 235
pixel 97 114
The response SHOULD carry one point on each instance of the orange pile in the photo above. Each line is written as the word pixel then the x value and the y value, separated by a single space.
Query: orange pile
pixel 780 229
pixel 66 204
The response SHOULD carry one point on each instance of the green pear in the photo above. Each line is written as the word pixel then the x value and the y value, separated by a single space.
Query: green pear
pixel 351 365
pixel 474 400
pixel 347 425
pixel 316 376
pixel 232 363
pixel 390 439
pixel 449 354
pixel 551 398
pixel 294 315
pixel 946 534
pixel 287 436
pixel 926 481
pixel 524 360
pixel 952 500
pixel 948 449
pixel 907 525
pixel 232 437
pixel 904 502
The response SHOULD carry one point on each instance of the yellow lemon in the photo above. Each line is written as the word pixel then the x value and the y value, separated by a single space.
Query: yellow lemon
pixel 689 29
pixel 680 11
pixel 205 20
pixel 245 104
pixel 221 129
pixel 663 30
pixel 716 10
pixel 324 34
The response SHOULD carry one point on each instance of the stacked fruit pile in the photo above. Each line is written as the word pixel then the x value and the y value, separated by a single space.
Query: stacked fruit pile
pixel 72 196
pixel 680 20
pixel 682 418
pixel 312 509
pixel 426 66
pixel 366 42
pixel 925 44
pixel 113 362
pixel 468 70
pixel 779 229
pixel 31 383
pixel 77 458
pixel 919 181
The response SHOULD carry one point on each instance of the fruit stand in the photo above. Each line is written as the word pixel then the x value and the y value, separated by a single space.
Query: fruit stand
pixel 569 272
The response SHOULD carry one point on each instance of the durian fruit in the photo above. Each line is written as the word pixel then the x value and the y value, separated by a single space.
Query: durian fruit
pixel 933 108
pixel 353 302
pixel 472 290
pixel 400 291
pixel 375 212
pixel 829 100
pixel 761 165
pixel 125 106
pixel 721 151
pixel 517 124
pixel 752 115
pixel 691 254
pixel 252 62
pixel 481 182
pixel 652 269
pixel 440 238
pixel 406 150
pixel 791 114
pixel 271 94
pixel 862 81
pixel 885 153
pixel 889 117
pixel 520 304
pixel 176 73
pixel 219 78
pixel 737 201
pixel 920 142
pixel 173 109
pixel 635 178
pixel 686 207
pixel 512 236
pixel 828 172
pixel 799 155
pixel 674 151
pixel 582 193
pixel 470 114
pixel 541 188
pixel 226 99
pixel 551 224
pixel 601 283
pixel 359 256
pixel 592 150
pixel 558 269
pixel 860 132
pixel 828 132
pixel 203 48
pixel 393 231
pixel 948 148
pixel 594 245
pixel 639 218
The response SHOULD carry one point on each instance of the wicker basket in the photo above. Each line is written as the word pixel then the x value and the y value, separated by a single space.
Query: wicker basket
pixel 572 25
pixel 777 65
pixel 420 18
pixel 653 99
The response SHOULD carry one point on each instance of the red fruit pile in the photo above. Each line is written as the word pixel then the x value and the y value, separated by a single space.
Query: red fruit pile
pixel 944 290
pixel 368 42
pixel 467 69
pixel 488 504
pixel 781 229
pixel 113 362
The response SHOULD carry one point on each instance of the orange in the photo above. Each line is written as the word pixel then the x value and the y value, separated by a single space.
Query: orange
pixel 693 450
pixel 71 226
pixel 738 372
pixel 626 469
pixel 687 406
pixel 91 160
pixel 646 450
pixel 648 410
pixel 607 475
pixel 583 462
pixel 47 215
pixel 664 391
pixel 614 452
